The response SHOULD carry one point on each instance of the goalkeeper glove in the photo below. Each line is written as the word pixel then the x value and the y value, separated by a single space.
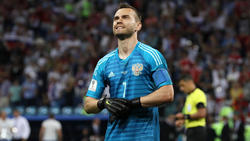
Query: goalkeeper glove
pixel 116 106
pixel 135 103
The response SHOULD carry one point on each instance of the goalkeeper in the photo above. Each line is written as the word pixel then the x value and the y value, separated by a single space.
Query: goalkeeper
pixel 138 82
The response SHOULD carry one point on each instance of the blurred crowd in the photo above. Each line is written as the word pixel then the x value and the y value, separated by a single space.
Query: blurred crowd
pixel 48 49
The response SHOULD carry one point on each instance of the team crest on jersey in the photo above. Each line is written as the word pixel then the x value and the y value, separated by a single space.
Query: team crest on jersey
pixel 137 69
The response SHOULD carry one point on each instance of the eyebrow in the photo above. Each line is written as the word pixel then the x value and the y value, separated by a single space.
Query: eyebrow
pixel 115 17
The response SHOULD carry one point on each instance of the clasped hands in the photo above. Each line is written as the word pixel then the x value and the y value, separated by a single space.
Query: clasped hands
pixel 179 119
pixel 118 107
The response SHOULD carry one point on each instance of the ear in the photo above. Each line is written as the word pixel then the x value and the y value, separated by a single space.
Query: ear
pixel 138 27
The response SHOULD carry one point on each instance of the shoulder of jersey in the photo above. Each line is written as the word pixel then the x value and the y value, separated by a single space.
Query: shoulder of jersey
pixel 201 91
pixel 150 53
pixel 106 57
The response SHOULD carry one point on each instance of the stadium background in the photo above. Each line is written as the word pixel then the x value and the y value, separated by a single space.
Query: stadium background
pixel 51 48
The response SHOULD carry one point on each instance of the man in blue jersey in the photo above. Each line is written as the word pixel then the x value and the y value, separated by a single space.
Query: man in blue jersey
pixel 138 82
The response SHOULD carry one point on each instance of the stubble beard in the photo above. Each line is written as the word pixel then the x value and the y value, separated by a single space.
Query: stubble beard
pixel 123 36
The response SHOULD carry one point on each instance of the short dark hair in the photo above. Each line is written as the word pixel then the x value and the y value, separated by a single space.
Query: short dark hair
pixel 51 115
pixel 126 5
pixel 186 77
pixel 16 110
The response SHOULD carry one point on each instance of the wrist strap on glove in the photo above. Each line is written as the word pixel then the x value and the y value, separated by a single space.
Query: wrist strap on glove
pixel 100 103
pixel 136 102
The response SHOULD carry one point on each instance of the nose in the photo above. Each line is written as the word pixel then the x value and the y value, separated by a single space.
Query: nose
pixel 119 20
pixel 181 88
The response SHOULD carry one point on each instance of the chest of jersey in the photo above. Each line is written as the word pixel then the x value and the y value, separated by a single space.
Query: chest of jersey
pixel 128 76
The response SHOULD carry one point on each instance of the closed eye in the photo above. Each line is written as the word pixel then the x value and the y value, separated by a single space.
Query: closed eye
pixel 116 18
pixel 123 17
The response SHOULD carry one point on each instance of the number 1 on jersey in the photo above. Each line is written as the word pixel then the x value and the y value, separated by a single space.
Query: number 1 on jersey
pixel 124 91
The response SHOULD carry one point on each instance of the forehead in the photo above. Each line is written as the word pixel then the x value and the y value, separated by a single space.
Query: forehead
pixel 125 11
pixel 182 82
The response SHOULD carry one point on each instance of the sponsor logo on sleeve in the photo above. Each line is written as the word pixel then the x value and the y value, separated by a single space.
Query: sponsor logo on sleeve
pixel 93 85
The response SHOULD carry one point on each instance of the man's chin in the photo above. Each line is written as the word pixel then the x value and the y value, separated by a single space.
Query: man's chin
pixel 123 36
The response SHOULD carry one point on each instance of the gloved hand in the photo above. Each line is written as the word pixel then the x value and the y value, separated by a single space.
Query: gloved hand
pixel 135 103
pixel 119 107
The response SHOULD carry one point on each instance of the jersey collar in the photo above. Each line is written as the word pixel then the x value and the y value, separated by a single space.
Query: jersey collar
pixel 125 60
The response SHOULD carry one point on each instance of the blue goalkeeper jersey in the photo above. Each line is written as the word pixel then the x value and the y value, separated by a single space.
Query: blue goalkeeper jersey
pixel 141 73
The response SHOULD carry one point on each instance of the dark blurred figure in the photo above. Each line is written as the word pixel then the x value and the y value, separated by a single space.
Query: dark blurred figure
pixel 226 134
pixel 15 93
pixel 4 54
pixel 168 129
pixel 29 89
pixel 96 130
pixel 42 85
pixel 85 134
pixel 211 135
pixel 69 92
pixel 239 127
pixel 5 85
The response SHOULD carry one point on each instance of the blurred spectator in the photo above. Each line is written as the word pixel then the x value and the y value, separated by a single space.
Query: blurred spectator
pixel 96 130
pixel 15 93
pixel 239 127
pixel 85 136
pixel 54 90
pixel 69 92
pixel 21 127
pixel 236 91
pixel 226 133
pixel 223 127
pixel 42 85
pixel 210 133
pixel 6 127
pixel 168 129
pixel 29 90
pixel 226 115
pixel 233 74
pixel 220 85
pixel 4 90
pixel 4 54
pixel 206 81
pixel 246 90
pixel 211 105
pixel 51 130
pixel 245 74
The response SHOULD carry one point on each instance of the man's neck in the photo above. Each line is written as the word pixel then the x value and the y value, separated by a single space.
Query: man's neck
pixel 192 89
pixel 126 46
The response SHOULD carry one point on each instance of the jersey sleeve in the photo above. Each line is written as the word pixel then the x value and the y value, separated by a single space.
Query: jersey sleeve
pixel 201 98
pixel 159 69
pixel 97 85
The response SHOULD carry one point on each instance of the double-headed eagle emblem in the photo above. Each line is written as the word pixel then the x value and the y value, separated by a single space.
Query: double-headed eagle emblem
pixel 137 69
